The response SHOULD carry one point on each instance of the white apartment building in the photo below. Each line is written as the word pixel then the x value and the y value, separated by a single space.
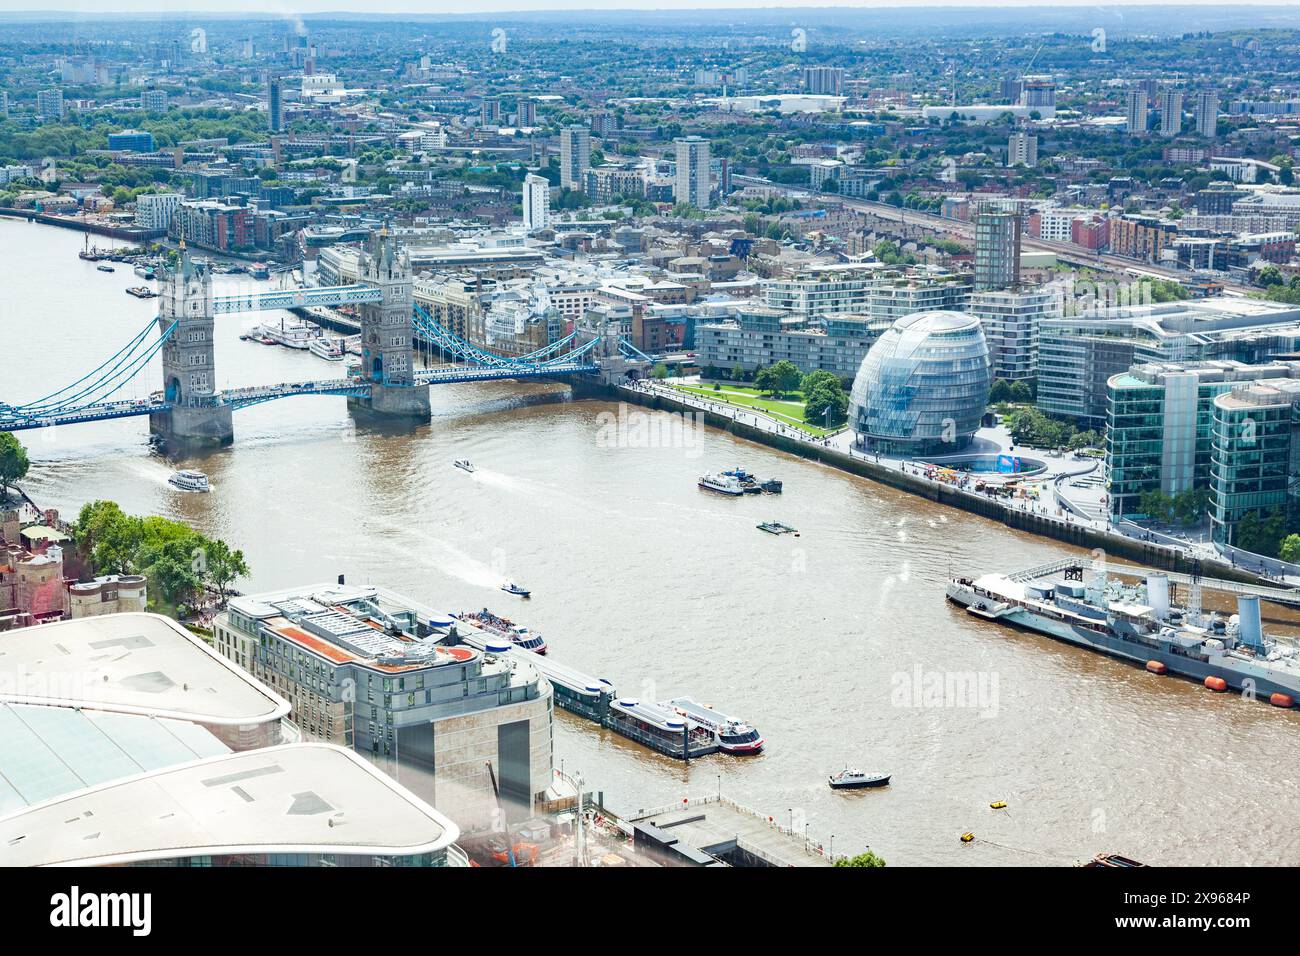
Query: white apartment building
pixel 692 184
pixel 155 210
pixel 1010 321
pixel 536 202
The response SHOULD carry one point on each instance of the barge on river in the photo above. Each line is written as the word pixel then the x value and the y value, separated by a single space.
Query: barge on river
pixel 668 727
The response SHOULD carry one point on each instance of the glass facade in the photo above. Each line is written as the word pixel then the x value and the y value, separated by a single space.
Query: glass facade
pixel 923 387
pixel 1158 436
pixel 1251 460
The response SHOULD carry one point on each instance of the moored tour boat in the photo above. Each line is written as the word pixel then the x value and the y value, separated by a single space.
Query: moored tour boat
pixel 722 484
pixel 734 735
pixel 517 634
pixel 327 348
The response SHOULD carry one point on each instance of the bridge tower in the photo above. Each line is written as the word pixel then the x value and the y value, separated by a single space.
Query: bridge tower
pixel 387 336
pixel 197 417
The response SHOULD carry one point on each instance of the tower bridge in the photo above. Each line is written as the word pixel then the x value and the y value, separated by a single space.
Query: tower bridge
pixel 190 411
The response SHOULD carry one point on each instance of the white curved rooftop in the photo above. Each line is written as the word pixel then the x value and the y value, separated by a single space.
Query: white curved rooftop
pixel 299 798
pixel 135 664
pixel 940 320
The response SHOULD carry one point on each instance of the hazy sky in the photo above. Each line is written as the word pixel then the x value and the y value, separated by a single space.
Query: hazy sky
pixel 94 7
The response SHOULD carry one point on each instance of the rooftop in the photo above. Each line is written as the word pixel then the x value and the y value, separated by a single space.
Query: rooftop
pixel 300 798
pixel 131 663
pixel 46 752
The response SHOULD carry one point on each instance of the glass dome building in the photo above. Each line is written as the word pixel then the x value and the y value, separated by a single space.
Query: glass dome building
pixel 923 386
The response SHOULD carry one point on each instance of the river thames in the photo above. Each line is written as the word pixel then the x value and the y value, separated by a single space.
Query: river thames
pixel 832 643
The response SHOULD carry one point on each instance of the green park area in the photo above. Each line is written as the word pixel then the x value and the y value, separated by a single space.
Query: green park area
pixel 788 410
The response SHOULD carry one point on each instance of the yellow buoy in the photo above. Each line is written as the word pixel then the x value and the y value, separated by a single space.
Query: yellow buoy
pixel 998 804
pixel 967 837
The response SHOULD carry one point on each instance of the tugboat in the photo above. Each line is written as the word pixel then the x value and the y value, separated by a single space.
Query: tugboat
pixel 189 480
pixel 748 483
pixel 848 779
pixel 723 484
pixel 513 588
pixel 464 464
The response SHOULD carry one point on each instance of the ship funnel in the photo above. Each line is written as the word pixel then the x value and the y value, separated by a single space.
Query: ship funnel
pixel 1250 631
pixel 1158 594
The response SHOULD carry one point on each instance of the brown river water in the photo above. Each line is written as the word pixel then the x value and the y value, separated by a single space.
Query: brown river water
pixel 832 643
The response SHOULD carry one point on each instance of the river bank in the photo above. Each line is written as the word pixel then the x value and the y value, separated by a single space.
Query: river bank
pixel 1149 553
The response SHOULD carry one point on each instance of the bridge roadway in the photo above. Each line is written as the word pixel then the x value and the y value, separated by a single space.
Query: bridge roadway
pixel 14 420
pixel 296 298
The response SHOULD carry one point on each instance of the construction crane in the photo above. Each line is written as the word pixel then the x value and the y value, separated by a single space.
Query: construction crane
pixel 505 824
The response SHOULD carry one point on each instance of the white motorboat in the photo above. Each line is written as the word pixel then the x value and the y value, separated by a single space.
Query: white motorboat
pixel 189 480
pixel 464 464
pixel 848 779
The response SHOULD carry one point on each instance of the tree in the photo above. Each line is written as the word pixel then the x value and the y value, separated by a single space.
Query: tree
pixel 1156 505
pixel 13 460
pixel 1000 392
pixel 660 371
pixel 1020 392
pixel 779 378
pixel 737 372
pixel 223 566
pixel 862 859
pixel 822 398
pixel 179 562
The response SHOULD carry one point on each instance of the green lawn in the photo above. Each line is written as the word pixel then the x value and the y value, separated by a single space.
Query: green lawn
pixel 787 410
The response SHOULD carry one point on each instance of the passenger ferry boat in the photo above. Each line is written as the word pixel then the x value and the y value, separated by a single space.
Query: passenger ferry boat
pixel 327 348
pixel 1137 623
pixel 190 480
pixel 258 270
pixel 517 634
pixel 294 334
pixel 734 735
pixel 723 484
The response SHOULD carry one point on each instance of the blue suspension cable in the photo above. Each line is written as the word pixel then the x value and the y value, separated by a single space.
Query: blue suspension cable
pixel 139 336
